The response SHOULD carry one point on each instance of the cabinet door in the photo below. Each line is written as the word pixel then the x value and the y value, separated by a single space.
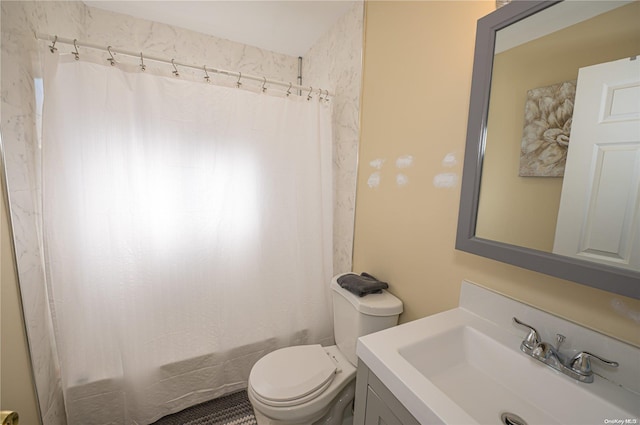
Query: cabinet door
pixel 378 413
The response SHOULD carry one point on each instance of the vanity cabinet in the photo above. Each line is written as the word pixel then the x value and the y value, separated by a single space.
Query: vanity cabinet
pixel 375 404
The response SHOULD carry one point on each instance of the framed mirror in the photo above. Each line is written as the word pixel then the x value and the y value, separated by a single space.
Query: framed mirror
pixel 529 143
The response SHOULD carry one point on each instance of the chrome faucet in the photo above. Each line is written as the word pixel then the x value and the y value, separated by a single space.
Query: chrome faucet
pixel 577 366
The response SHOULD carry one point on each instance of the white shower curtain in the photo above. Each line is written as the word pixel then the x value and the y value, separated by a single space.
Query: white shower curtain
pixel 187 230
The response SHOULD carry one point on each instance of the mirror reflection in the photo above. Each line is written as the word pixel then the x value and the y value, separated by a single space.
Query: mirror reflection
pixel 548 181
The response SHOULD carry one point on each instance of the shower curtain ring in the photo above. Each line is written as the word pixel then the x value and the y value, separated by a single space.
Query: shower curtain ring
pixel 289 89
pixel 111 59
pixel 206 75
pixel 326 98
pixel 175 70
pixel 53 47
pixel 143 67
pixel 321 96
pixel 76 54
pixel 309 94
pixel 238 83
pixel 264 88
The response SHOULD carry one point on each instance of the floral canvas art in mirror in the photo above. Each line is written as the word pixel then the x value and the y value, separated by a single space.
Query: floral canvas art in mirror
pixel 548 115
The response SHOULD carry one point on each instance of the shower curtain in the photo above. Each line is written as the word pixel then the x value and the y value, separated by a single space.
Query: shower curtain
pixel 187 232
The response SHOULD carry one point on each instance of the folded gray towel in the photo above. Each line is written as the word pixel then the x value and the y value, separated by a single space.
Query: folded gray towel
pixel 362 285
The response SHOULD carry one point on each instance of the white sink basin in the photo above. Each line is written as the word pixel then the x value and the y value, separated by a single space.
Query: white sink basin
pixel 458 368
pixel 478 374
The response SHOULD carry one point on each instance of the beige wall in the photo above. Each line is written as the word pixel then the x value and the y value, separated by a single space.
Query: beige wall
pixel 523 210
pixel 417 77
pixel 16 383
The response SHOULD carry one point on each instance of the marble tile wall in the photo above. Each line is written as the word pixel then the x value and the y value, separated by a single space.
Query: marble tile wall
pixel 186 46
pixel 338 62
pixel 334 62
pixel 19 66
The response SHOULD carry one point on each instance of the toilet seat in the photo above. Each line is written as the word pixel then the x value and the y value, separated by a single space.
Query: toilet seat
pixel 292 376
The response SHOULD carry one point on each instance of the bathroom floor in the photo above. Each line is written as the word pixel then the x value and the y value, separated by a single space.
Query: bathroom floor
pixel 232 409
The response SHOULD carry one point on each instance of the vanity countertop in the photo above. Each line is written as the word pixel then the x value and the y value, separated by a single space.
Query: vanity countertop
pixel 464 366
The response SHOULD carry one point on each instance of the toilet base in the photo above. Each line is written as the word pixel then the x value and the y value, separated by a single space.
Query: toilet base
pixel 334 414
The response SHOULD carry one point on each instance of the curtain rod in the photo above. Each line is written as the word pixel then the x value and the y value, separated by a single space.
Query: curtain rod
pixel 324 94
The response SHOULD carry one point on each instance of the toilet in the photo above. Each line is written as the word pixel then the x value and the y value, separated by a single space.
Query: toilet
pixel 311 384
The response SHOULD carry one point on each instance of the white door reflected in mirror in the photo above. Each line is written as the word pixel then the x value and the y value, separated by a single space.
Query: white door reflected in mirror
pixel 599 215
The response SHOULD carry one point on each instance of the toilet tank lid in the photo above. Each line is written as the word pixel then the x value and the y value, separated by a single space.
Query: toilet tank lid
pixel 382 304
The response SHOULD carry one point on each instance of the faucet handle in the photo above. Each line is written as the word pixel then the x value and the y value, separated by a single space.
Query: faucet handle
pixel 581 362
pixel 533 339
pixel 559 340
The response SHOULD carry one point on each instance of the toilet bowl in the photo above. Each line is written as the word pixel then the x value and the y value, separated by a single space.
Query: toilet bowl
pixel 311 384
pixel 301 398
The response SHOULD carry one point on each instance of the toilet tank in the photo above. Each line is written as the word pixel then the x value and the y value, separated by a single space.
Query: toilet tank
pixel 355 316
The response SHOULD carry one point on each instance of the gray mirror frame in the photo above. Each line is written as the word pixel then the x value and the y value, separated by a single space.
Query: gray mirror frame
pixel 611 279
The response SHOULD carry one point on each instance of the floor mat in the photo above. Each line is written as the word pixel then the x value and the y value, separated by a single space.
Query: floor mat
pixel 232 409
